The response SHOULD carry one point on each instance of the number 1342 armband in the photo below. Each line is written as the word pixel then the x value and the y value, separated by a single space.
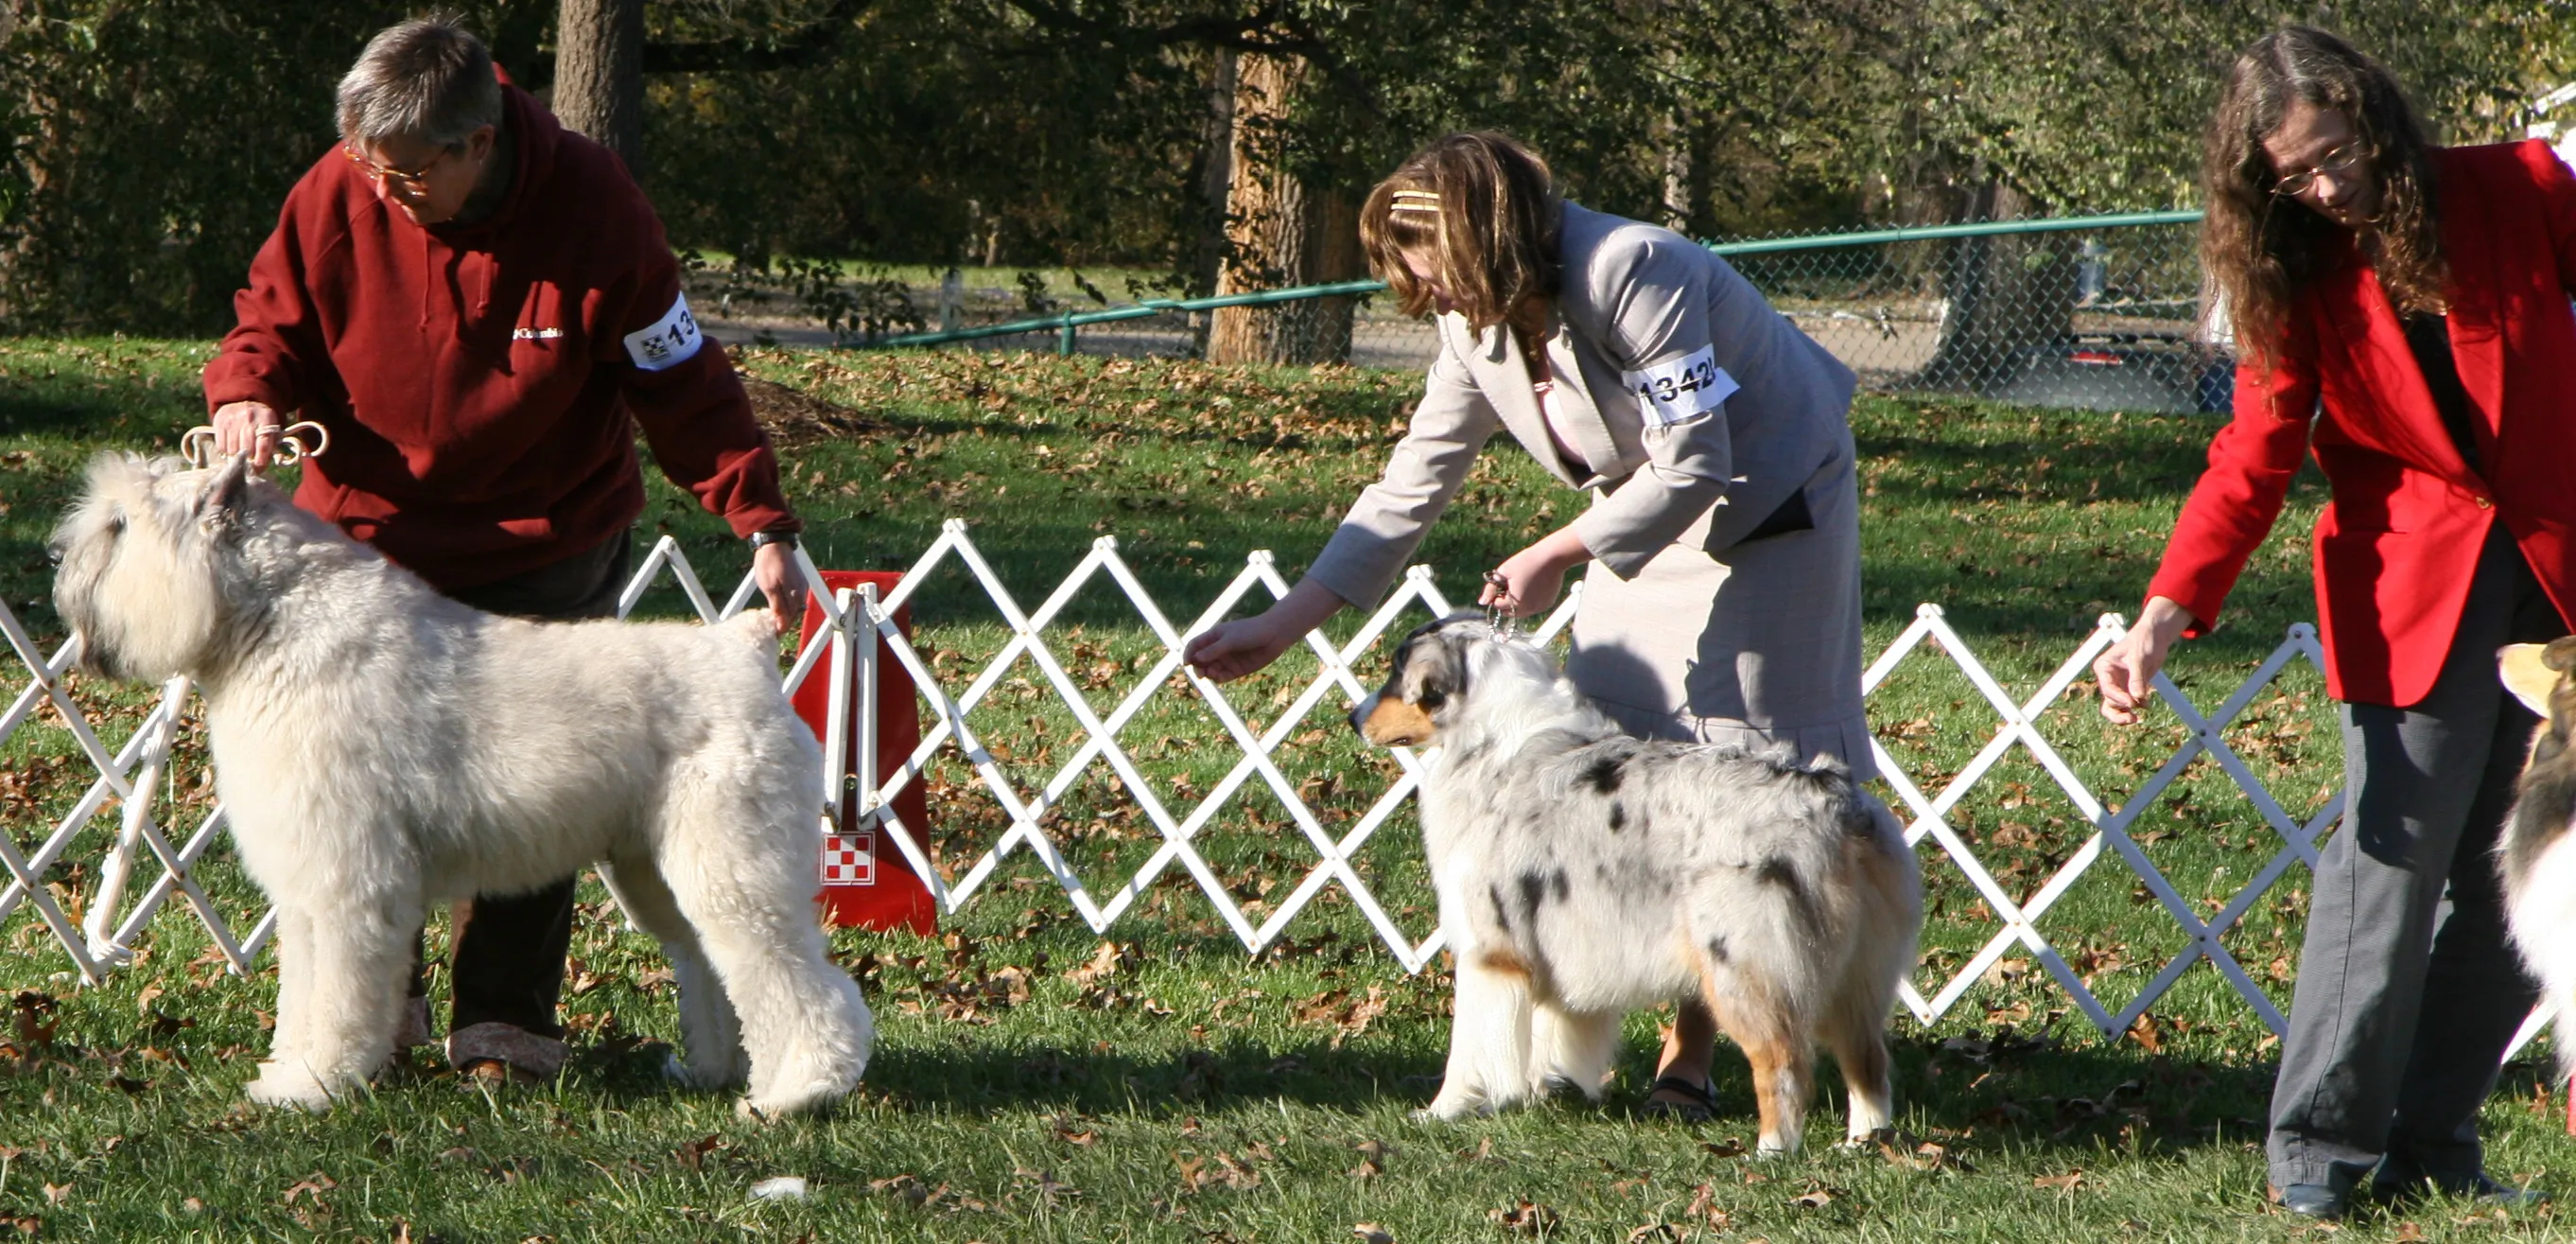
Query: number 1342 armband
pixel 1681 389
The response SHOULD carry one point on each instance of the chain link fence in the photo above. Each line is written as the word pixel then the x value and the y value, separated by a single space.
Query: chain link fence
pixel 2098 312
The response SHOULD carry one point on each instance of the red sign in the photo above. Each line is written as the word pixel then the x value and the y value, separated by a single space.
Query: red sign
pixel 867 882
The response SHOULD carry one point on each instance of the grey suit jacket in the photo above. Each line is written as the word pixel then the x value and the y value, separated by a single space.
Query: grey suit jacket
pixel 1695 395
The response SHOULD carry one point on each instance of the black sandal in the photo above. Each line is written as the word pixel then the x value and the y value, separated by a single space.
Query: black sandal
pixel 1700 1107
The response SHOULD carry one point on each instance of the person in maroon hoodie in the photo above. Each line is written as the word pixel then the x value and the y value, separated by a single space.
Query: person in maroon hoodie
pixel 480 308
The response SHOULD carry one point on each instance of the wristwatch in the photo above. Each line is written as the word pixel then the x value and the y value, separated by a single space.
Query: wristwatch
pixel 760 539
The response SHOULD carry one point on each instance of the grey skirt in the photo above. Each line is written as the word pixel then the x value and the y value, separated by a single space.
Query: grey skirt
pixel 1756 646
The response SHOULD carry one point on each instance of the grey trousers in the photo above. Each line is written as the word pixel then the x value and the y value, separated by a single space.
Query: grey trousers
pixel 2407 991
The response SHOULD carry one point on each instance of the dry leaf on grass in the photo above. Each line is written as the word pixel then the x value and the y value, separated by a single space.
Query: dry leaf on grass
pixel 1655 1233
pixel 1371 1233
pixel 57 1194
pixel 693 1155
pixel 1816 1197
pixel 1728 1148
pixel 1372 1159
pixel 315 1184
pixel 2067 1182
pixel 1525 1218
pixel 909 1187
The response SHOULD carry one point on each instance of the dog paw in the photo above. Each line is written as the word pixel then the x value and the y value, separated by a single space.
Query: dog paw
pixel 701 1076
pixel 813 1100
pixel 288 1088
pixel 1451 1110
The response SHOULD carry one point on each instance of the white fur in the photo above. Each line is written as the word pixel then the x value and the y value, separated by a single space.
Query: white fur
pixel 381 748
pixel 2542 916
pixel 1777 893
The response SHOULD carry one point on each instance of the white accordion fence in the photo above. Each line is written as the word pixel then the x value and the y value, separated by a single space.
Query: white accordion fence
pixel 137 772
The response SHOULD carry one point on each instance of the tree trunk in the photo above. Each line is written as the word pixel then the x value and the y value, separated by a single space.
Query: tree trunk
pixel 1216 178
pixel 2005 294
pixel 599 74
pixel 1280 232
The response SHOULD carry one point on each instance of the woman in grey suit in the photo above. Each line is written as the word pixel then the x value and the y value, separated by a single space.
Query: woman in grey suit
pixel 1722 602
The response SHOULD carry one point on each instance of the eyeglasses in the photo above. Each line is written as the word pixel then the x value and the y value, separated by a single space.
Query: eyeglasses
pixel 394 179
pixel 2335 162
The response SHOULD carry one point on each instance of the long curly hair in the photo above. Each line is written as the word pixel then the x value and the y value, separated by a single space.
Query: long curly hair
pixel 1487 208
pixel 2262 248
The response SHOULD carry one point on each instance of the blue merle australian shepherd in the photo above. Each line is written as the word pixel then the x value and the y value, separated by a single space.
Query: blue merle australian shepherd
pixel 1583 873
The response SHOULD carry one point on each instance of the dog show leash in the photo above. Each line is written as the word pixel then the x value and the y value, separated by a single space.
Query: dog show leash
pixel 197 447
pixel 1498 616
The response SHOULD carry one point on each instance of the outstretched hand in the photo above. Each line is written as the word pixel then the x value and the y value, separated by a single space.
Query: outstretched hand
pixel 1231 650
pixel 2126 671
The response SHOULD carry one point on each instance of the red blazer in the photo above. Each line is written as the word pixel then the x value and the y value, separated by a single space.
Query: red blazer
pixel 2396 545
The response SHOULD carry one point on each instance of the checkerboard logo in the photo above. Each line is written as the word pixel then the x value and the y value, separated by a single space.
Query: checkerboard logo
pixel 849 859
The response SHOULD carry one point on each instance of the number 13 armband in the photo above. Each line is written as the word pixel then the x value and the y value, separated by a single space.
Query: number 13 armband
pixel 1682 389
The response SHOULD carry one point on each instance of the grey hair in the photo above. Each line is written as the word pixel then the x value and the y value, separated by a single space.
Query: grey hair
pixel 427 79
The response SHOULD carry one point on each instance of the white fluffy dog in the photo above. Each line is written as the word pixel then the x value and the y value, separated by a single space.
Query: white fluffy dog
pixel 1583 873
pixel 380 748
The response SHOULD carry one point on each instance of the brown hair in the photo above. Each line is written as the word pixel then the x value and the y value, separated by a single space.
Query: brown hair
pixel 2262 249
pixel 1493 226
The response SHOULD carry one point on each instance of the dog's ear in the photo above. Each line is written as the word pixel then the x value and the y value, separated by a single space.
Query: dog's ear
pixel 1431 674
pixel 220 507
pixel 2529 673
pixel 2560 654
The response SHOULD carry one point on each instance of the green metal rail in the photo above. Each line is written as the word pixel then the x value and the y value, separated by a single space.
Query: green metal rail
pixel 1064 324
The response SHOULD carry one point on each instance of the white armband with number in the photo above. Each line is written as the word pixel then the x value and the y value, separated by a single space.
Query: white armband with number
pixel 1681 390
pixel 667 342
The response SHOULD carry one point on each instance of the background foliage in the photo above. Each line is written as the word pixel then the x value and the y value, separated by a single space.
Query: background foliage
pixel 150 141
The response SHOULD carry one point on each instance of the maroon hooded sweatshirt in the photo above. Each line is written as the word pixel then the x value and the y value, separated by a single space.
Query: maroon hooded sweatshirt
pixel 477 380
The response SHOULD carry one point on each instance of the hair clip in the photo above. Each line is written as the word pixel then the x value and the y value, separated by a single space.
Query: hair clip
pixel 1415 201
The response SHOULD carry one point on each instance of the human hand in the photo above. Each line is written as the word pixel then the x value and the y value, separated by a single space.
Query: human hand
pixel 2127 669
pixel 774 571
pixel 247 428
pixel 1230 650
pixel 1529 582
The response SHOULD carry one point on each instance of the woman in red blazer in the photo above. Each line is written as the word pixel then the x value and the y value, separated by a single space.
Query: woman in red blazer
pixel 2402 311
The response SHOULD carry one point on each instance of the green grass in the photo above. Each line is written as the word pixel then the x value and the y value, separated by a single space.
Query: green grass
pixel 1193 1092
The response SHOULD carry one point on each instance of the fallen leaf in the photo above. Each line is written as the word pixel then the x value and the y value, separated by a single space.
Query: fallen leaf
pixel 2063 1183
pixel 1728 1148
pixel 693 1155
pixel 1525 1218
pixel 315 1184
pixel 1371 1233
pixel 1654 1231
pixel 909 1187
pixel 57 1194
pixel 1813 1198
